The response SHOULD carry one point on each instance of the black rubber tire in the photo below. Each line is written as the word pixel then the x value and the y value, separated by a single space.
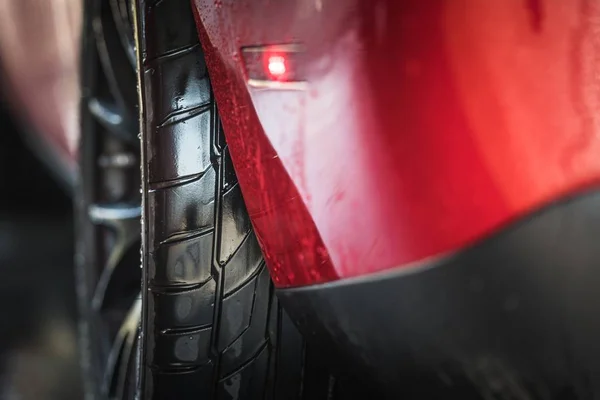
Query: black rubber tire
pixel 212 327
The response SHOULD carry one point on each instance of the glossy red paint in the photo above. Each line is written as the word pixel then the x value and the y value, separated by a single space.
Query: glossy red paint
pixel 425 125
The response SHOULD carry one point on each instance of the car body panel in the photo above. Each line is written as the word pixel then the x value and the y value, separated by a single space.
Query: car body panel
pixel 424 126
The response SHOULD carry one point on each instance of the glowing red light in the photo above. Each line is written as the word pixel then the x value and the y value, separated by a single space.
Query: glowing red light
pixel 276 66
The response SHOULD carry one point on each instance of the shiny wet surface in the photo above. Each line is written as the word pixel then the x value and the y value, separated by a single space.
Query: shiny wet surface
pixel 38 340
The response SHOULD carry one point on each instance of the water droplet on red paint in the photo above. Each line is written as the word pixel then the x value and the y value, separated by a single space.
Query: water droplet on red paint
pixel 322 252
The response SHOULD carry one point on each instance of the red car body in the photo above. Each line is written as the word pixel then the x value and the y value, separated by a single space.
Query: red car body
pixel 424 126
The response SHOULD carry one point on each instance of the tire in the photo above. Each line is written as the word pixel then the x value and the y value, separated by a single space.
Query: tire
pixel 206 323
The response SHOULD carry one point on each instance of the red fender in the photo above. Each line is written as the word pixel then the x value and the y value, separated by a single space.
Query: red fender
pixel 425 125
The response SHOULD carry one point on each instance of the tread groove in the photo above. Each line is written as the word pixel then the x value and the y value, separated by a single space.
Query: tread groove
pixel 192 235
pixel 178 116
pixel 247 363
pixel 177 289
pixel 157 186
pixel 176 370
pixel 184 331
pixel 171 54
pixel 214 339
pixel 183 236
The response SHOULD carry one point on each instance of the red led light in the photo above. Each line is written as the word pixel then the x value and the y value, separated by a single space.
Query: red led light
pixel 276 66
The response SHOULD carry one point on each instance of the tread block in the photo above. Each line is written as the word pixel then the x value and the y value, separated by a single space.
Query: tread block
pixel 182 263
pixel 169 27
pixel 181 385
pixel 189 349
pixel 244 262
pixel 178 210
pixel 236 312
pixel 250 378
pixel 178 149
pixel 249 342
pixel 186 309
pixel 235 223
pixel 188 88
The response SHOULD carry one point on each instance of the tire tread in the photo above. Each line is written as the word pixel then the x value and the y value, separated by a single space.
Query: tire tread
pixel 209 315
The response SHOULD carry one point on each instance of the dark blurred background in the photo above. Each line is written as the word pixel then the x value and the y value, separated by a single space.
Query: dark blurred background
pixel 38 338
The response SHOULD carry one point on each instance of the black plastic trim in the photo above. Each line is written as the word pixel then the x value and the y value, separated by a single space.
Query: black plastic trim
pixel 515 316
